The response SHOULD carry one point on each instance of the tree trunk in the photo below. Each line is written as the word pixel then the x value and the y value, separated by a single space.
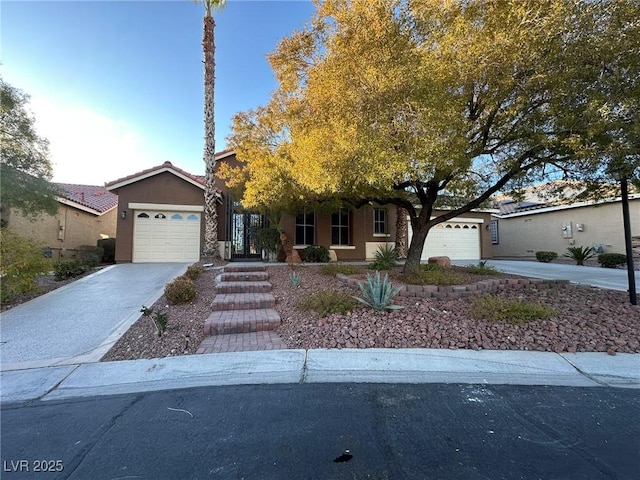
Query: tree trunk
pixel 401 232
pixel 419 236
pixel 211 248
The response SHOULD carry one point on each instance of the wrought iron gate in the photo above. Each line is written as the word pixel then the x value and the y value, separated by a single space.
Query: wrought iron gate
pixel 244 228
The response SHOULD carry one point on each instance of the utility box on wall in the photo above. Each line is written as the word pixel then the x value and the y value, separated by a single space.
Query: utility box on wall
pixel 567 230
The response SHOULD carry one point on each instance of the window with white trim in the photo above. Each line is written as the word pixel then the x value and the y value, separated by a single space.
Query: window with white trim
pixel 380 221
pixel 305 233
pixel 340 227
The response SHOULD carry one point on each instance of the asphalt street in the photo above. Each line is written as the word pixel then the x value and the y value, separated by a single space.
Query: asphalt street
pixel 329 431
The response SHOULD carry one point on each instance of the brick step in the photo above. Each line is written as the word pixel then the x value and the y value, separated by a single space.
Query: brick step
pixel 252 267
pixel 244 276
pixel 241 321
pixel 243 287
pixel 242 301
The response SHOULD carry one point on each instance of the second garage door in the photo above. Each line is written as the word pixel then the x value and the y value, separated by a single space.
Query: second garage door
pixel 166 236
pixel 456 240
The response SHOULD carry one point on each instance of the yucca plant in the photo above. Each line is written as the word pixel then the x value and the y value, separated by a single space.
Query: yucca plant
pixel 580 254
pixel 385 259
pixel 378 292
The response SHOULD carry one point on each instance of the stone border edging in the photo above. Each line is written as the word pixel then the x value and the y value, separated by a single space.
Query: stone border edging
pixel 459 291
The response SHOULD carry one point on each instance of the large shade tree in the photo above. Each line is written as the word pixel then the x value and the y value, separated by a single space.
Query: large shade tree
pixel 428 104
pixel 25 167
pixel 211 248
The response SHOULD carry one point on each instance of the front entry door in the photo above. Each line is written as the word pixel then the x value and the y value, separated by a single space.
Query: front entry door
pixel 244 229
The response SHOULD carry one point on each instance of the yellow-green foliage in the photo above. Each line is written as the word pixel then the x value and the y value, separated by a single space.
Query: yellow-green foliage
pixel 180 290
pixel 335 268
pixel 431 274
pixel 21 261
pixel 490 307
pixel 324 302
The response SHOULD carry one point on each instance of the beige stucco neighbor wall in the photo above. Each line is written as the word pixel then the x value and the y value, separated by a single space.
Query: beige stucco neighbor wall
pixel 65 231
pixel 523 235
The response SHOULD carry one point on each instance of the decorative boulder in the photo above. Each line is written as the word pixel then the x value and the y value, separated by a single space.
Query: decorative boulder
pixel 333 257
pixel 444 262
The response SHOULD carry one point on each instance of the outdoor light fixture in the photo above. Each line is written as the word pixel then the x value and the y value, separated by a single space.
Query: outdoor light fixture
pixel 123 214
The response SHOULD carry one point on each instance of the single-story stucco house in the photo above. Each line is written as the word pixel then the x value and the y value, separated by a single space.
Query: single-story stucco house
pixel 86 214
pixel 523 228
pixel 160 219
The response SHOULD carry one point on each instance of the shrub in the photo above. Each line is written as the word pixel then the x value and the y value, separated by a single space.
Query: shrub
pixel 180 290
pixel 546 257
pixel 516 312
pixel 315 254
pixel 108 246
pixel 69 269
pixel 580 254
pixel 335 268
pixel 385 258
pixel 194 271
pixel 269 240
pixel 89 255
pixel 324 302
pixel 378 292
pixel 432 274
pixel 612 260
pixel 482 269
pixel 21 262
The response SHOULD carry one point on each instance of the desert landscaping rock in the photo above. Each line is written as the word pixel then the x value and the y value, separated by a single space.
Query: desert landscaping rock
pixel 587 320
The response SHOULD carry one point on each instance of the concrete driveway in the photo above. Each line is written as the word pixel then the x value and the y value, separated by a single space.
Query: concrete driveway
pixel 610 278
pixel 80 322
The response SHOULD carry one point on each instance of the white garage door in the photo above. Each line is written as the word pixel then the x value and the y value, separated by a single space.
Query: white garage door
pixel 456 240
pixel 166 236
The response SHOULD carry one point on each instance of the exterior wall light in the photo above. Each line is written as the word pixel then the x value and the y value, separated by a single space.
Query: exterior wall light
pixel 123 214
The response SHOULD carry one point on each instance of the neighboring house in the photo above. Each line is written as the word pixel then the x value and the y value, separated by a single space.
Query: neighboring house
pixel 523 228
pixel 160 220
pixel 86 214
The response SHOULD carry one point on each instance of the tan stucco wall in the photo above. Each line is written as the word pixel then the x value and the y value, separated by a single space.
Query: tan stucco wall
pixel 522 236
pixel 67 230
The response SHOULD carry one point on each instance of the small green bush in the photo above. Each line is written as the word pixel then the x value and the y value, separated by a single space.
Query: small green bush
pixel 325 302
pixel 385 258
pixel 21 262
pixel 315 254
pixel 612 260
pixel 180 290
pixel 516 312
pixel 546 257
pixel 580 254
pixel 378 292
pixel 269 240
pixel 108 246
pixel 194 271
pixel 482 269
pixel 432 274
pixel 335 268
pixel 89 255
pixel 69 269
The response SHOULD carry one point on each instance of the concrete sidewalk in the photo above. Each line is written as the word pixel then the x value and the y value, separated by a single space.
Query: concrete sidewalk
pixel 323 366
pixel 609 278
pixel 79 322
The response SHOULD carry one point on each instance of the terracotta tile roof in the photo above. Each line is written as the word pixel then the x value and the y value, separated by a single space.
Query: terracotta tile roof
pixel 94 197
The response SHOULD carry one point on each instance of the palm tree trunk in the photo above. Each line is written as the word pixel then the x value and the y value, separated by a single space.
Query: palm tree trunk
pixel 401 232
pixel 211 248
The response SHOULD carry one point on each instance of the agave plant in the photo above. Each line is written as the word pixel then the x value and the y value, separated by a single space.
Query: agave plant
pixel 295 278
pixel 580 254
pixel 378 292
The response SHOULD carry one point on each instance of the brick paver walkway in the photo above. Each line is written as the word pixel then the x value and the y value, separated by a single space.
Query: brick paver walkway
pixel 242 316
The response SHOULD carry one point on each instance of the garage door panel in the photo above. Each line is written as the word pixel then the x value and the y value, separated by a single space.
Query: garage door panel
pixel 161 236
pixel 456 240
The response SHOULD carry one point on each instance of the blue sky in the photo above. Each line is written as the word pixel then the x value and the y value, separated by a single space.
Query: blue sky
pixel 117 86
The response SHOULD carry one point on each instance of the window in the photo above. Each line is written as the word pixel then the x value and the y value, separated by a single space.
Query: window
pixel 305 228
pixel 495 239
pixel 160 216
pixel 380 221
pixel 176 216
pixel 340 227
pixel 143 215
pixel 192 217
